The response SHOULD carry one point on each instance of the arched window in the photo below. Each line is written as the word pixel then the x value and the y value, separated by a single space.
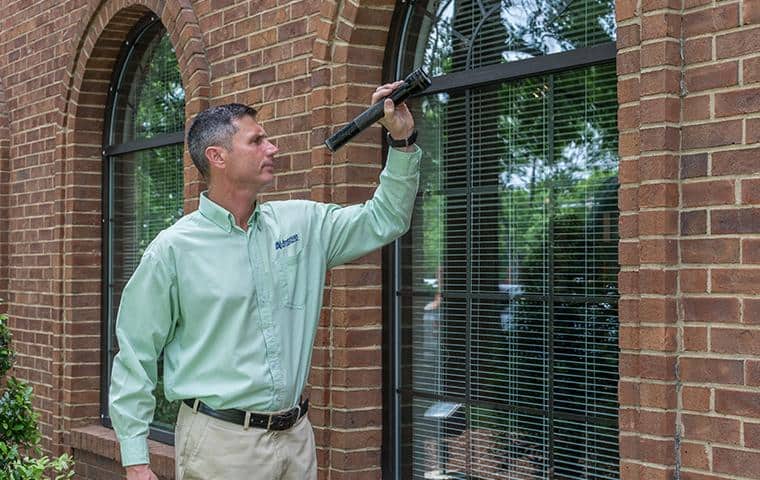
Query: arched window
pixel 505 338
pixel 143 189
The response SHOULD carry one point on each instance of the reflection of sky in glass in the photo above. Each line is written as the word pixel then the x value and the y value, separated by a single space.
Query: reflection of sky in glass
pixel 531 28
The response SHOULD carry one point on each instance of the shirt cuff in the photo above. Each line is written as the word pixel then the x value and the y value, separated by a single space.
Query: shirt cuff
pixel 134 451
pixel 403 164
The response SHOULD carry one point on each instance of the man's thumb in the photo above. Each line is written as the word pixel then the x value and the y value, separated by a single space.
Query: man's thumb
pixel 388 108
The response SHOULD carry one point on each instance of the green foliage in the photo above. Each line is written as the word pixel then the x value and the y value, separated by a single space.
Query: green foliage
pixel 19 434
pixel 18 420
pixel 6 353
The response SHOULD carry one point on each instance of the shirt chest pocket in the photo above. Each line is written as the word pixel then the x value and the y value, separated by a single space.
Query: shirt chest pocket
pixel 290 265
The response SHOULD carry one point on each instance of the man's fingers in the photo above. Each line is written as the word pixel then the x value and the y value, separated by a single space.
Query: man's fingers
pixel 385 90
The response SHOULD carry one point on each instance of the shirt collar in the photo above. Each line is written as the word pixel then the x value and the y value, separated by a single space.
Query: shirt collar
pixel 220 215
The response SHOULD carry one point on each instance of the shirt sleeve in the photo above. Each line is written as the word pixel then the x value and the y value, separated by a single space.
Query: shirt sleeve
pixel 351 232
pixel 146 318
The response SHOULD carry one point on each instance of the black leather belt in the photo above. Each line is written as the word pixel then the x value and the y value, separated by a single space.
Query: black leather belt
pixel 275 421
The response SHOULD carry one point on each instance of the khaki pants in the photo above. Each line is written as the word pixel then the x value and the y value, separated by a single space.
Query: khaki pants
pixel 207 448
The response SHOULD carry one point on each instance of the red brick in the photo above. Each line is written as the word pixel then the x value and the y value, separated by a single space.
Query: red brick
pixel 658 195
pixel 628 117
pixel 658 167
pixel 737 102
pixel 752 374
pixel 710 251
pixel 750 191
pixel 736 462
pixel 753 130
pixel 736 162
pixel 625 10
pixel 666 52
pixel 694 456
pixel 738 43
pixel 628 90
pixel 696 108
pixel 714 134
pixel 650 5
pixel 735 341
pixel 751 70
pixel 693 280
pixel 628 253
pixel 751 312
pixel 744 220
pixel 661 25
pixel 719 192
pixel 694 222
pixel 711 309
pixel 711 429
pixel 658 222
pixel 698 50
pixel 660 81
pixel 752 435
pixel 628 36
pixel 736 402
pixel 694 165
pixel 658 310
pixel 711 20
pixel 650 450
pixel 696 398
pixel 695 339
pixel 712 370
pixel 663 251
pixel 657 281
pixel 717 75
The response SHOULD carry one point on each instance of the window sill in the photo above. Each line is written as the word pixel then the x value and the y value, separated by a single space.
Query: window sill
pixel 102 441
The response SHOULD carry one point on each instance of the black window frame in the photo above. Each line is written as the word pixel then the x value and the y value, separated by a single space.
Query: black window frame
pixel 603 53
pixel 108 152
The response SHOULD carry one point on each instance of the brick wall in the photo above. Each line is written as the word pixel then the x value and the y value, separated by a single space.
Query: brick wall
pixel 690 159
pixel 689 83
pixel 306 65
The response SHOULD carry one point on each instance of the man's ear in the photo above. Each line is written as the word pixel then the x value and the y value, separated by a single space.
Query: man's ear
pixel 215 156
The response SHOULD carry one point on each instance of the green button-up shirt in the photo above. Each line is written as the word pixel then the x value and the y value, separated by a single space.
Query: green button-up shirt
pixel 236 311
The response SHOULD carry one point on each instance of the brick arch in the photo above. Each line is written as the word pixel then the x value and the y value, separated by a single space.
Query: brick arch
pixel 93 36
pixel 95 46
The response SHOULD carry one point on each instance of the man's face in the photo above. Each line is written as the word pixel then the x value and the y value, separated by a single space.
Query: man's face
pixel 250 161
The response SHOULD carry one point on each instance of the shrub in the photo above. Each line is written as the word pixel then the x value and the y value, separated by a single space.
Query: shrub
pixel 20 454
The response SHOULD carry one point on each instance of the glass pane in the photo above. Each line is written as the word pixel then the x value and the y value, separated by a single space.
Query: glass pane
pixel 510 271
pixel 150 99
pixel 467 34
pixel 147 197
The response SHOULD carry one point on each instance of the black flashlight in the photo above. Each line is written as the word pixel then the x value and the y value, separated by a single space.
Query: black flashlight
pixel 414 83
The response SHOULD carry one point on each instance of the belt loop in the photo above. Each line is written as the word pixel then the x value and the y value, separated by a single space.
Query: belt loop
pixel 298 417
pixel 196 404
pixel 269 422
pixel 247 421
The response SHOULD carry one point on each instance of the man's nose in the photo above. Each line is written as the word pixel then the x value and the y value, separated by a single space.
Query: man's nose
pixel 273 148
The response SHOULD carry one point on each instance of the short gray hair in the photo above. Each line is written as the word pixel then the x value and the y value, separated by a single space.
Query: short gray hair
pixel 214 126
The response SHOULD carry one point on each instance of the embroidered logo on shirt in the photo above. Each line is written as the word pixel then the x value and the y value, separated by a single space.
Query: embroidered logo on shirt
pixel 284 243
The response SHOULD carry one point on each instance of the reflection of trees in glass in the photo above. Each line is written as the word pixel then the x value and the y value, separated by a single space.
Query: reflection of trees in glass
pixel 510 30
pixel 151 100
pixel 550 180
pixel 160 104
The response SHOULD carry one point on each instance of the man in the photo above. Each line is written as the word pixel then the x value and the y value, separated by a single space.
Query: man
pixel 231 294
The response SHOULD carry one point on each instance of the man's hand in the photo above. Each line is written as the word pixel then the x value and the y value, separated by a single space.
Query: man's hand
pixel 140 472
pixel 397 120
